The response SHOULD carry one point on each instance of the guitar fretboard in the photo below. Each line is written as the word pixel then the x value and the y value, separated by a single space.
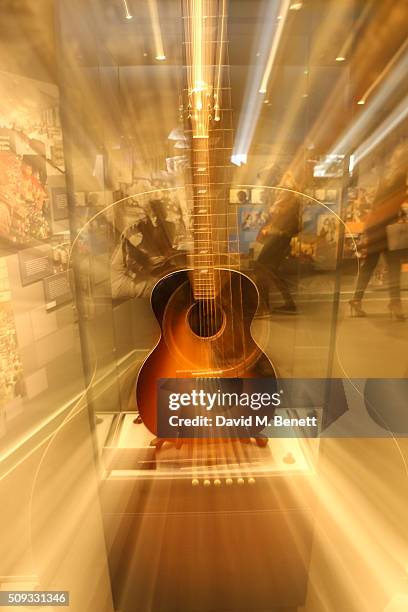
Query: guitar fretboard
pixel 209 168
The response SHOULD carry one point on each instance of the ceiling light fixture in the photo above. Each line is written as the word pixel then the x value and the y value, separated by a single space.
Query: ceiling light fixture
pixel 361 102
pixel 394 118
pixel 127 13
pixel 268 36
pixel 239 159
pixel 340 58
pixel 157 35
pixel 402 63
pixel 296 6
pixel 274 47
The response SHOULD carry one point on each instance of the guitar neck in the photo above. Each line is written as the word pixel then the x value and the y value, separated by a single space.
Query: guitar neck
pixel 208 126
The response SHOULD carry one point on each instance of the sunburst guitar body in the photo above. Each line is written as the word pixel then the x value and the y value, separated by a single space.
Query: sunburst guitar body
pixel 208 340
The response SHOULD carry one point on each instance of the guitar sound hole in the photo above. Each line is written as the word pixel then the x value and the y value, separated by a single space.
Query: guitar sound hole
pixel 206 318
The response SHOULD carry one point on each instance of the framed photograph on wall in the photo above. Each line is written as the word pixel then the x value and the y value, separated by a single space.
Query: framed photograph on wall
pixel 240 196
pixel 59 203
pixel 57 289
pixel 35 263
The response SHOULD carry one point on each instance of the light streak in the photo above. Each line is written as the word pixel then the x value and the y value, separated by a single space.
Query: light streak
pixel 239 158
pixel 158 41
pixel 127 13
pixel 68 407
pixel 382 131
pixel 217 96
pixel 374 106
pixel 383 73
pixel 275 45
pixel 354 32
pixel 255 82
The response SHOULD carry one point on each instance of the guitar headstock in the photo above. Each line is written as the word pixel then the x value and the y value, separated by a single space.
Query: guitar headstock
pixel 201 108
pixel 204 33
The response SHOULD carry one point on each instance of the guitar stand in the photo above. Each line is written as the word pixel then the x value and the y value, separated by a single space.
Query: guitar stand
pixel 178 442
pixel 261 442
pixel 158 442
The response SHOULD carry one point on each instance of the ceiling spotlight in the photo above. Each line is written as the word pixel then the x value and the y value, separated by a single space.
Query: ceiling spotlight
pixel 361 102
pixel 262 91
pixel 266 101
pixel 296 6
pixel 340 58
pixel 127 14
pixel 160 58
pixel 239 158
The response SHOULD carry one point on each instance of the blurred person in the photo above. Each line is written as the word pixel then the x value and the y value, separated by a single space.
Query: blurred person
pixel 282 224
pixel 145 254
pixel 164 231
pixel 389 198
pixel 129 266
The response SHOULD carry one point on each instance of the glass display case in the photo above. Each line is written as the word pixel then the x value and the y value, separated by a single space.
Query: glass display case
pixel 99 201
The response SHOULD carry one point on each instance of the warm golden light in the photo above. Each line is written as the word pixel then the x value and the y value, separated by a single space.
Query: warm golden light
pixel 275 45
pixel 158 41
pixel 151 111
pixel 127 13
pixel 400 57
pixel 204 64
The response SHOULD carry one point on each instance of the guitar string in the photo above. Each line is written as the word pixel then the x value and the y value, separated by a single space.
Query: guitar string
pixel 226 445
pixel 235 447
pixel 219 287
pixel 223 446
pixel 190 85
pixel 210 246
pixel 201 148
pixel 208 57
pixel 210 291
pixel 192 284
pixel 226 171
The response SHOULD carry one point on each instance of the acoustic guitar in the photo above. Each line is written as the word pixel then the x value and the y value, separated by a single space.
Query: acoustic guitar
pixel 205 312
